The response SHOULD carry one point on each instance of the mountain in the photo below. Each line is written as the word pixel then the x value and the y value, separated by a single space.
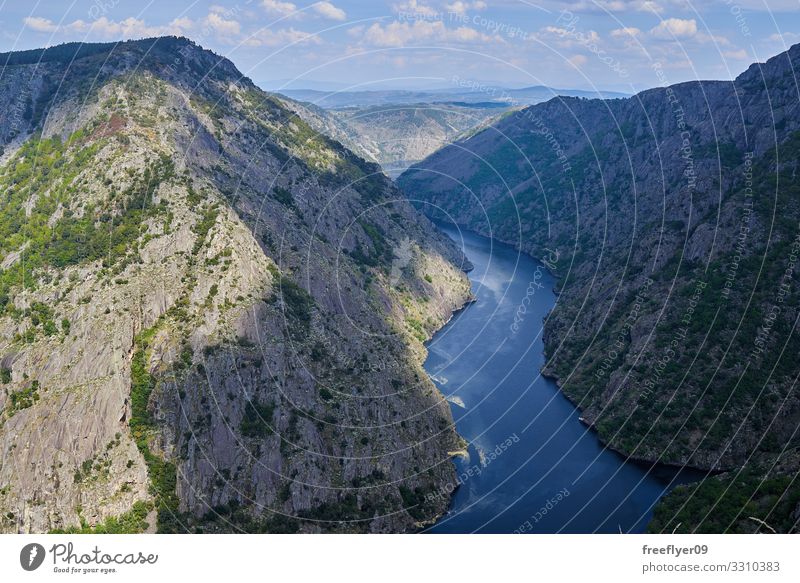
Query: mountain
pixel 211 317
pixel 397 136
pixel 672 220
pixel 398 128
pixel 467 94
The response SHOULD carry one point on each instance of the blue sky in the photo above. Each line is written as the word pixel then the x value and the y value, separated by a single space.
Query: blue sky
pixel 604 44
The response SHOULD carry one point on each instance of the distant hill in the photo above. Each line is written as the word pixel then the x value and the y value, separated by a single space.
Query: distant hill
pixel 510 97
pixel 397 136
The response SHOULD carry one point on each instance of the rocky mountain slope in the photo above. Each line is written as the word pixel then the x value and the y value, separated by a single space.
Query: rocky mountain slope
pixel 211 316
pixel 397 136
pixel 673 222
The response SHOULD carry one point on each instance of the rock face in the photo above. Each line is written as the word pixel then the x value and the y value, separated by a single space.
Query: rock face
pixel 212 316
pixel 672 221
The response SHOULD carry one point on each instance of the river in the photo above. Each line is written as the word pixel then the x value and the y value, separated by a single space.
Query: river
pixel 533 466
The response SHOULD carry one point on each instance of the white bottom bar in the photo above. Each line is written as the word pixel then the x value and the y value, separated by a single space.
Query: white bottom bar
pixel 409 558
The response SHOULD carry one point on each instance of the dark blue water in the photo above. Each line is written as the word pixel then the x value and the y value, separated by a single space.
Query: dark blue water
pixel 533 466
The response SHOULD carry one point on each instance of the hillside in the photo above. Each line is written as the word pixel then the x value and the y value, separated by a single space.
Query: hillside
pixel 397 136
pixel 465 91
pixel 672 220
pixel 211 316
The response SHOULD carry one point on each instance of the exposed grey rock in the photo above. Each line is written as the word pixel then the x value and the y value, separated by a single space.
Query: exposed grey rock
pixel 209 292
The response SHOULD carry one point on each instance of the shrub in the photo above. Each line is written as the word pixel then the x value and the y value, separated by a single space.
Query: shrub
pixel 284 197
pixel 257 419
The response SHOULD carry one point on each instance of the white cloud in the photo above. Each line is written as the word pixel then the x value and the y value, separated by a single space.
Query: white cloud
pixel 40 24
pixel 221 26
pixel 461 7
pixel 649 7
pixel 328 10
pixel 465 34
pixel 567 39
pixel 675 28
pixel 414 7
pixel 181 24
pixel 784 38
pixel 626 32
pixel 399 34
pixel 740 55
pixel 614 6
pixel 105 28
pixel 356 31
pixel 713 38
pixel 127 28
pixel 278 7
pixel 275 38
pixel 578 60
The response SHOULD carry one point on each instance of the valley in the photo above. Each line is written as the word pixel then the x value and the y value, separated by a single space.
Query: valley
pixel 674 218
pixel 532 466
pixel 398 135
pixel 229 310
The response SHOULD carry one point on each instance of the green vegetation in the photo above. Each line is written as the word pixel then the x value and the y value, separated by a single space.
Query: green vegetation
pixel 417 329
pixel 257 420
pixel 334 165
pixel 297 302
pixel 729 155
pixel 163 474
pixel 95 468
pixel 347 514
pixel 220 518
pixel 65 53
pixel 42 319
pixel 43 177
pixel 132 522
pixel 203 226
pixel 22 399
pixel 284 196
pixel 345 509
pixel 382 249
pixel 142 385
pixel 414 502
pixel 753 501
pixel 683 374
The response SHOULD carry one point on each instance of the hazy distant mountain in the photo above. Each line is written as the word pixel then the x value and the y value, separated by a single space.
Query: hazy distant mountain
pixel 394 84
pixel 494 94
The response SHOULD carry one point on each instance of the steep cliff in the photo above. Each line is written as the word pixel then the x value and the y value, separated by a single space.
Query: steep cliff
pixel 672 221
pixel 212 316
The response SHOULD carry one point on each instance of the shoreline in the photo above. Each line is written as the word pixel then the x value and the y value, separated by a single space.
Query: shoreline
pixel 648 463
pixel 557 380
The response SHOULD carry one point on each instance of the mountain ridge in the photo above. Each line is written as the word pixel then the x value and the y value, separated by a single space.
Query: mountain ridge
pixel 468 94
pixel 669 214
pixel 205 326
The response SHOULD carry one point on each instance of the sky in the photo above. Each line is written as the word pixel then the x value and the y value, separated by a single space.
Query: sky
pixel 622 45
